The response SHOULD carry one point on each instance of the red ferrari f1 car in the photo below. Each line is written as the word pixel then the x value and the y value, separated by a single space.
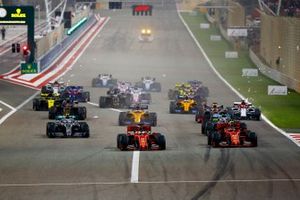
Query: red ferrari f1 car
pixel 231 134
pixel 140 137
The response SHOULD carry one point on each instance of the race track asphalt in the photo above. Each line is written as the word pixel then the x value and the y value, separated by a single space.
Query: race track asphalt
pixel 35 167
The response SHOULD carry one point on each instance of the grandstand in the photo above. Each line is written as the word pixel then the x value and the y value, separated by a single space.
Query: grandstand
pixel 289 8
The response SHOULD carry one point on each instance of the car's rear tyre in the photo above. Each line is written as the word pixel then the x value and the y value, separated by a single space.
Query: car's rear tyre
pixel 209 138
pixel 50 130
pixel 36 104
pixel 122 117
pixel 85 130
pixel 122 142
pixel 253 138
pixel 153 119
pixel 172 107
pixel 257 114
pixel 81 113
pixel 102 102
pixel 160 141
pixel 87 96
pixel 215 139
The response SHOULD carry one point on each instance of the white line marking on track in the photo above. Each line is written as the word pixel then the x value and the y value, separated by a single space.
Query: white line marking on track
pixel 13 110
pixel 94 104
pixel 7 105
pixel 116 110
pixel 135 167
pixel 3 185
pixel 0 109
pixel 220 76
pixel 224 181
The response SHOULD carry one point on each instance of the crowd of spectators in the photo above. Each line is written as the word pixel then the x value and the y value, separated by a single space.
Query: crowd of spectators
pixel 290 8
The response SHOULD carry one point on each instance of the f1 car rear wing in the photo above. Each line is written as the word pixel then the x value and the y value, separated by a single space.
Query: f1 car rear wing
pixel 139 106
pixel 138 127
pixel 237 103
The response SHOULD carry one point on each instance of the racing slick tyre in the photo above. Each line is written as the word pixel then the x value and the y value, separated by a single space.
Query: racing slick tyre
pixel 94 82
pixel 160 140
pixel 122 117
pixel 122 142
pixel 36 104
pixel 215 139
pixel 81 113
pixel 50 131
pixel 209 138
pixel 203 127
pixel 153 119
pixel 87 96
pixel 84 127
pixel 206 127
pixel 206 116
pixel 253 138
pixel 118 139
pixel 172 107
pixel 210 127
pixel 257 114
pixel 102 102
pixel 198 116
pixel 243 128
pixel 157 87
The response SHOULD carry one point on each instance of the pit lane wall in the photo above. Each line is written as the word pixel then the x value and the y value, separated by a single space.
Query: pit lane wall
pixel 52 45
pixel 45 42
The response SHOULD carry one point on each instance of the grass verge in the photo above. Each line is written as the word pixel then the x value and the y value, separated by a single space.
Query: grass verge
pixel 283 111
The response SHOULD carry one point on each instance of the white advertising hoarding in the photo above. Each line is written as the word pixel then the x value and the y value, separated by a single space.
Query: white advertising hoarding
pixel 215 37
pixel 204 26
pixel 237 32
pixel 231 54
pixel 249 72
pixel 277 90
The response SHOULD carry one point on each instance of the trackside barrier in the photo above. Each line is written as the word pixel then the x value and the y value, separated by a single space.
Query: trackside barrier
pixel 46 60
